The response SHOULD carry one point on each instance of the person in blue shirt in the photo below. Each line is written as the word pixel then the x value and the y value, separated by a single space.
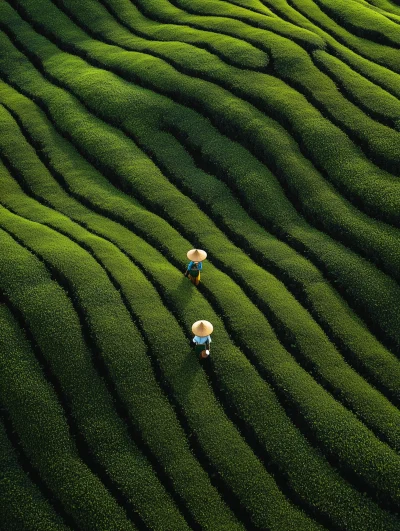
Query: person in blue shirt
pixel 202 339
pixel 196 256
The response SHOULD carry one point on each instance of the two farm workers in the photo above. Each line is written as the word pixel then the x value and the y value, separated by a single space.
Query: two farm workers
pixel 201 329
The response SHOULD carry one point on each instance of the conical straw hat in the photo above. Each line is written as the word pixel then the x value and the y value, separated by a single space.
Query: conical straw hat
pixel 202 328
pixel 196 255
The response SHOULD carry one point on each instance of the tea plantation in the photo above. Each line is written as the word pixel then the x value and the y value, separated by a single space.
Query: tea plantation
pixel 266 132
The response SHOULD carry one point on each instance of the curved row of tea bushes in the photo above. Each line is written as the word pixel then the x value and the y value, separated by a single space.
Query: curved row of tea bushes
pixel 385 5
pixel 25 393
pixel 22 504
pixel 376 7
pixel 349 287
pixel 184 39
pixel 130 16
pixel 206 10
pixel 377 53
pixel 369 96
pixel 236 12
pixel 303 347
pixel 379 75
pixel 285 454
pixel 112 28
pixel 252 5
pixel 168 13
pixel 147 254
pixel 362 21
pixel 191 483
pixel 377 138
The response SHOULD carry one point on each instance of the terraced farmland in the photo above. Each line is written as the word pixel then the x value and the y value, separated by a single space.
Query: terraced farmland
pixel 266 132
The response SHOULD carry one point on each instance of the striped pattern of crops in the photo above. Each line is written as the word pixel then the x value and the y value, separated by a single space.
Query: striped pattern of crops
pixel 266 132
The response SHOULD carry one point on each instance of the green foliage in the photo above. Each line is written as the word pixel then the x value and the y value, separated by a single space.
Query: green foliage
pixel 154 265
pixel 22 505
pixel 253 133
pixel 361 20
pixel 25 393
pixel 300 174
pixel 103 308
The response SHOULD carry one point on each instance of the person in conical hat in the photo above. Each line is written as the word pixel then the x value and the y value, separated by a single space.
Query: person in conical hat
pixel 196 256
pixel 202 338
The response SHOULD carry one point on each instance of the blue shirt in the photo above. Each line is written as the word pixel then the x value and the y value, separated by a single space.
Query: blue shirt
pixel 199 266
pixel 201 340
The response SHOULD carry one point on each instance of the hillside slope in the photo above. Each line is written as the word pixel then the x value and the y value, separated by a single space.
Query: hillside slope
pixel 266 132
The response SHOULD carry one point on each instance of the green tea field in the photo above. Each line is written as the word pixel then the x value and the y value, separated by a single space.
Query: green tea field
pixel 265 132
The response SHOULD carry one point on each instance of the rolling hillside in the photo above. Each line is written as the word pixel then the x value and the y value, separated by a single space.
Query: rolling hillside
pixel 266 132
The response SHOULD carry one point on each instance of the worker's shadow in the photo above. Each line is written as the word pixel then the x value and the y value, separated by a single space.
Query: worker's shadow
pixel 184 290
pixel 189 370
pixel 190 365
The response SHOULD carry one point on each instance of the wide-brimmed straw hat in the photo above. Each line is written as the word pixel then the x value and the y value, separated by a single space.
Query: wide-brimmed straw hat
pixel 196 255
pixel 202 328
